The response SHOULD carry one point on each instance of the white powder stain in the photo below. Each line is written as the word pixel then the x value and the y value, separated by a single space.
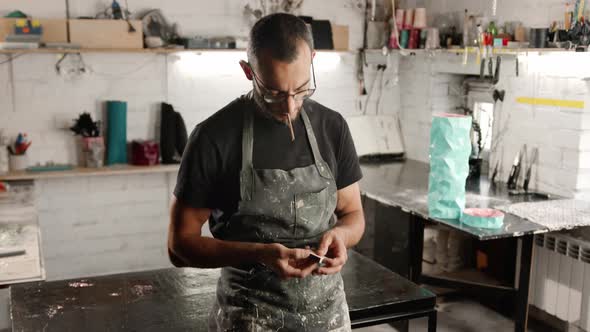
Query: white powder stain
pixel 53 310
pixel 80 284
pixel 141 290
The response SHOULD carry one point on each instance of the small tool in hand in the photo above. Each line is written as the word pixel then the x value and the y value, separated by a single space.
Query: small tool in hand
pixel 318 258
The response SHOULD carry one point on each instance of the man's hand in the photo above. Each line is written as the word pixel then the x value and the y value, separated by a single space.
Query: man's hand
pixel 333 247
pixel 288 263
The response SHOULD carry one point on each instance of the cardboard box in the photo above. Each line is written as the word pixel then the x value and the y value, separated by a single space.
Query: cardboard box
pixel 340 37
pixel 54 30
pixel 111 34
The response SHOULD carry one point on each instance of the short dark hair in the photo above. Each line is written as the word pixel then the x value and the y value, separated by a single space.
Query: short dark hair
pixel 279 34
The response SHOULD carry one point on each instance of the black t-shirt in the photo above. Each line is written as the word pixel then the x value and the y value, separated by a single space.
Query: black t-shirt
pixel 209 175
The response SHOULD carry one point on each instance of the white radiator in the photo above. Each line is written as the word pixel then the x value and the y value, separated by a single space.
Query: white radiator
pixel 560 283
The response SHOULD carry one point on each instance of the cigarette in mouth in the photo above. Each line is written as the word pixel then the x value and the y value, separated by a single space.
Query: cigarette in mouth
pixel 291 128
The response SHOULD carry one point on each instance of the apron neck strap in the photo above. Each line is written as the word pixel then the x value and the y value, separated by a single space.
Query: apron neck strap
pixel 247 139
pixel 247 173
pixel 317 157
pixel 248 143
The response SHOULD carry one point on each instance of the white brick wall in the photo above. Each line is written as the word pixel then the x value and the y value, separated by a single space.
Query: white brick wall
pixel 43 99
pixel 559 133
pixel 424 92
pixel 562 135
pixel 101 225
pixel 195 85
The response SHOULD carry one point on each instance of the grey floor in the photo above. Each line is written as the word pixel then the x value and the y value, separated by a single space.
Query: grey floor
pixel 458 316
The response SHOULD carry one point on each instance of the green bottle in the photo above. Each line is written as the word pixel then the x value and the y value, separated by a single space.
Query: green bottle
pixel 492 29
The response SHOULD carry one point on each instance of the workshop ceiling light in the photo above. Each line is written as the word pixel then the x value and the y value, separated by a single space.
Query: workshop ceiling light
pixel 210 63
pixel 574 64
pixel 326 61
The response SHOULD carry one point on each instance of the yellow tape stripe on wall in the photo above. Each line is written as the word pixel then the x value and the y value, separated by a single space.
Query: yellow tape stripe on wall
pixel 551 102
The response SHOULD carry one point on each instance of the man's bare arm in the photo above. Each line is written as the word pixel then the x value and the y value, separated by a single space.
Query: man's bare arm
pixel 351 219
pixel 188 248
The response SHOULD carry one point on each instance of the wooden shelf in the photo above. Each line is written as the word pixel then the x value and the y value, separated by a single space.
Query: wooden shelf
pixel 514 50
pixel 113 50
pixel 81 171
pixel 499 51
pixel 473 50
pixel 130 50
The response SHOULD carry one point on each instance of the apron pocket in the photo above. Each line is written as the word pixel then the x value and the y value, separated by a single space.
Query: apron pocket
pixel 311 213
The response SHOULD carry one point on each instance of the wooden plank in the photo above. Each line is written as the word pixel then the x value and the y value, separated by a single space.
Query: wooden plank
pixel 129 50
pixel 106 33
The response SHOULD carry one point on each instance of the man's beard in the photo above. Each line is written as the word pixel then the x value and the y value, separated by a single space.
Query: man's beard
pixel 266 110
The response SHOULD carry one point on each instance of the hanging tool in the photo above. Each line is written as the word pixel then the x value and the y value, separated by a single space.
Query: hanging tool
pixel 499 95
pixel 515 170
pixel 495 173
pixel 527 177
pixel 8 252
pixel 496 78
pixel 482 67
pixel 127 14
pixel 360 72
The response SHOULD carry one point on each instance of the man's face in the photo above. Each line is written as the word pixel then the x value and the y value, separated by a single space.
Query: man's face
pixel 282 77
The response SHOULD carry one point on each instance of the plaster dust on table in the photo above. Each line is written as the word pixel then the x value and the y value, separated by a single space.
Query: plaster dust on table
pixel 553 214
pixel 141 290
pixel 413 199
pixel 53 310
pixel 80 284
pixel 480 201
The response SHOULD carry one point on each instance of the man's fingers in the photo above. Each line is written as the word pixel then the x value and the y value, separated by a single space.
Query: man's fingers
pixel 297 253
pixel 325 244
pixel 332 265
pixel 291 272
pixel 310 267
pixel 332 262
pixel 329 270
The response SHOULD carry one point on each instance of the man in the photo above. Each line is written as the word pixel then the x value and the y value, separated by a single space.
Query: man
pixel 269 171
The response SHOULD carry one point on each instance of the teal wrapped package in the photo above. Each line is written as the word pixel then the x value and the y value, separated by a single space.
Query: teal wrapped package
pixel 450 148
pixel 116 132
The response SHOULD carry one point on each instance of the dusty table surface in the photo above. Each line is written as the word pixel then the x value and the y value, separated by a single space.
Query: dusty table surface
pixel 405 185
pixel 180 299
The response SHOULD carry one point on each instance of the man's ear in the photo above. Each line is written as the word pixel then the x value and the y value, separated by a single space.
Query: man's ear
pixel 313 54
pixel 247 70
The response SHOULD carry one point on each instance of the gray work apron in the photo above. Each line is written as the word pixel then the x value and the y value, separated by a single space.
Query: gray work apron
pixel 294 208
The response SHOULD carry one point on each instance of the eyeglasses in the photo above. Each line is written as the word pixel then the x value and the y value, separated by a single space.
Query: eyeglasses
pixel 274 97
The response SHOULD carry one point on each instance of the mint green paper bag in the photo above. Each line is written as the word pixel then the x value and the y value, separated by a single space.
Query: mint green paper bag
pixel 450 148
